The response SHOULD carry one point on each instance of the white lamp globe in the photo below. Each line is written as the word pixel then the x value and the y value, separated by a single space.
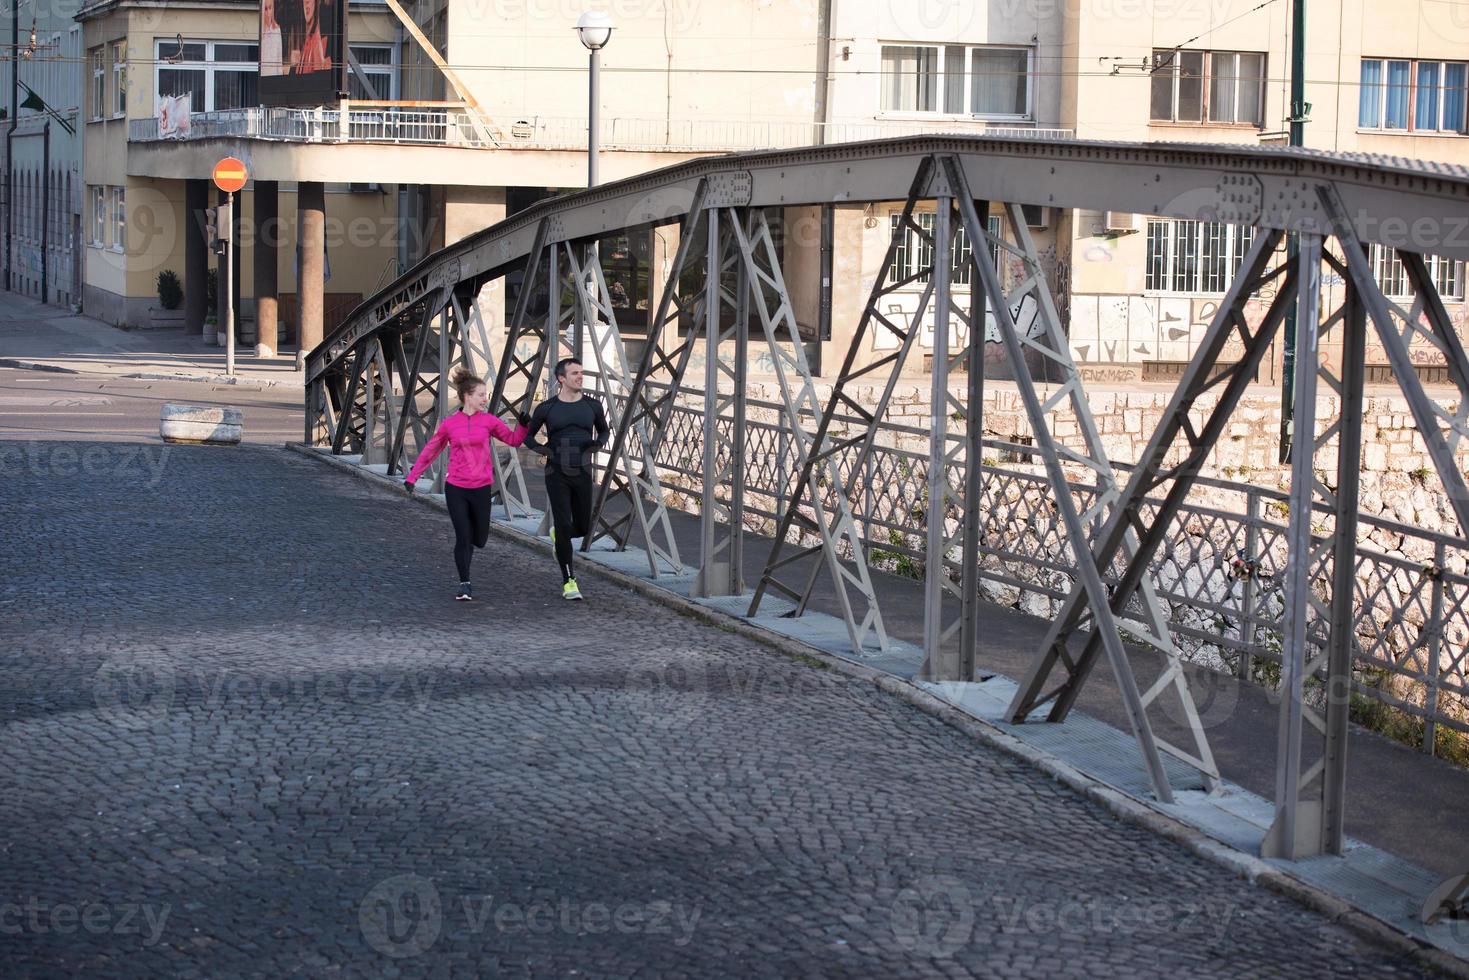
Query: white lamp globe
pixel 595 29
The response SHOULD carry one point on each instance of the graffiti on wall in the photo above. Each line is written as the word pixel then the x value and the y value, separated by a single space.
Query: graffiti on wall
pixel 1025 313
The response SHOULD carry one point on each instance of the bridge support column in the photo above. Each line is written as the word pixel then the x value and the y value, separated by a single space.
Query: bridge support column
pixel 196 257
pixel 311 240
pixel 267 256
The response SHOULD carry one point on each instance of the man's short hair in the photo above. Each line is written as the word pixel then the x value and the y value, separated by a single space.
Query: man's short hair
pixel 561 365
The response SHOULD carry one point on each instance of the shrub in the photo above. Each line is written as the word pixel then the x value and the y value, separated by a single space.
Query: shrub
pixel 170 292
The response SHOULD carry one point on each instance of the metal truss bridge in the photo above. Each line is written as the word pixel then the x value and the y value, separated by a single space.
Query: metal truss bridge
pixel 375 388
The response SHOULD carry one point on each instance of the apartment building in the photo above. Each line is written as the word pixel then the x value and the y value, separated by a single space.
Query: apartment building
pixel 465 112
pixel 488 112
pixel 43 152
pixel 1384 78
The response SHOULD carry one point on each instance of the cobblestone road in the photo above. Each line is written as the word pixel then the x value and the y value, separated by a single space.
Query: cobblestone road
pixel 247 732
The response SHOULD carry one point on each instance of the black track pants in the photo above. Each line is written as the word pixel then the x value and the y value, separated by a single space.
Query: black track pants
pixel 570 499
pixel 470 512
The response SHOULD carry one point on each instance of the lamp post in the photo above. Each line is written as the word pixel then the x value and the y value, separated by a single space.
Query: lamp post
pixel 595 30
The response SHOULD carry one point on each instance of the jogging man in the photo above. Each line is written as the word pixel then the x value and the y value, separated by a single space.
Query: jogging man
pixel 576 427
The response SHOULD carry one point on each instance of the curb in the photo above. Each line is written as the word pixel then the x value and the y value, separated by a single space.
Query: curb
pixel 1125 808
pixel 15 362
pixel 218 379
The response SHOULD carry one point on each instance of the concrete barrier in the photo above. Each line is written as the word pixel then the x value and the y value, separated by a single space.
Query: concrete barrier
pixel 196 425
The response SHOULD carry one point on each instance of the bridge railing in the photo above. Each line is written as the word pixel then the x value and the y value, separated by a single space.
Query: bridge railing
pixel 1220 575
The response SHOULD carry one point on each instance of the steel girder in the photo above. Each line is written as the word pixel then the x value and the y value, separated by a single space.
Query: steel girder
pixel 655 385
pixel 798 396
pixel 635 461
pixel 1239 185
pixel 1246 185
pixel 523 372
pixel 420 406
pixel 466 332
pixel 1310 796
pixel 721 525
pixel 827 449
pixel 1091 603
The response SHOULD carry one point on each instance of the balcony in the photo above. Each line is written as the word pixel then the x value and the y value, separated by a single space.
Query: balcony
pixel 458 128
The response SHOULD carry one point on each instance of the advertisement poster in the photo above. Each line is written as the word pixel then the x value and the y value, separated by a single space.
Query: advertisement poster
pixel 302 52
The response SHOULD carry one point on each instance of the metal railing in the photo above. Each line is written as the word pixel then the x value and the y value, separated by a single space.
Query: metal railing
pixel 1218 575
pixel 456 127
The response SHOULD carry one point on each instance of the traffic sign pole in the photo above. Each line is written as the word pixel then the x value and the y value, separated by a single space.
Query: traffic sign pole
pixel 228 266
pixel 230 174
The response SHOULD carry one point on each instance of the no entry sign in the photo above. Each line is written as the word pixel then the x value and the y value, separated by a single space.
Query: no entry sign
pixel 229 175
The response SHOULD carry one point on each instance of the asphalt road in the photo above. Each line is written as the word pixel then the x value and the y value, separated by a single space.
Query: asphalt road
pixel 246 731
pixel 53 405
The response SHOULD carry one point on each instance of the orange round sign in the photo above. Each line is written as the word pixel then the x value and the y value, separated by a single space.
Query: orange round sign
pixel 229 175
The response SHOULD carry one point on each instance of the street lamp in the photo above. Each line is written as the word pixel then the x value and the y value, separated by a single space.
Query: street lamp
pixel 595 30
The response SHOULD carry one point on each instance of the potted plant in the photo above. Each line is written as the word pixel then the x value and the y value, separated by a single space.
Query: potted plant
pixel 168 313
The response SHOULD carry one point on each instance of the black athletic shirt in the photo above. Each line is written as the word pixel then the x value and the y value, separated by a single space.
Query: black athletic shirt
pixel 574 431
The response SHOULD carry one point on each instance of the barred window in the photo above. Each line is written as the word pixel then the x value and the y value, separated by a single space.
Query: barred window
pixel 1194 256
pixel 914 253
pixel 1392 278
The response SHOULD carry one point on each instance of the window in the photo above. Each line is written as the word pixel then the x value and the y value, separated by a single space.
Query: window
pixel 214 74
pixel 377 65
pixel 99 83
pixel 119 219
pixel 1392 278
pixel 1427 96
pixel 1225 87
pixel 956 80
pixel 119 78
pixel 1194 256
pixel 915 253
pixel 99 217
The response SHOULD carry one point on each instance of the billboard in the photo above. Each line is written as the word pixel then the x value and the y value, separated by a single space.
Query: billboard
pixel 302 52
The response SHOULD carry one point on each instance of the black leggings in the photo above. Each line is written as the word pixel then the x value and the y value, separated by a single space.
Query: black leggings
pixel 470 512
pixel 570 497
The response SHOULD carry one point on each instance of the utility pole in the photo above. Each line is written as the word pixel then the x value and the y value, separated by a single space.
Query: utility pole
pixel 1299 110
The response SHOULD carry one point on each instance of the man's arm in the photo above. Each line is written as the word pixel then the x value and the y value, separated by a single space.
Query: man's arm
pixel 600 429
pixel 537 422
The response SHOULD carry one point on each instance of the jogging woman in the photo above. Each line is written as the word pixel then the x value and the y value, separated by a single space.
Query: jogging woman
pixel 467 487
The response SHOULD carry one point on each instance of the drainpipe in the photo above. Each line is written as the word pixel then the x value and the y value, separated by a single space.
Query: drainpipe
pixel 10 136
pixel 45 207
pixel 823 65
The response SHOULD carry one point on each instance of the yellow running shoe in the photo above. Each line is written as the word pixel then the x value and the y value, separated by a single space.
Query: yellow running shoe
pixel 569 590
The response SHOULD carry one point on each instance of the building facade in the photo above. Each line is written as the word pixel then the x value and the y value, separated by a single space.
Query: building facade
pixel 465 112
pixel 43 152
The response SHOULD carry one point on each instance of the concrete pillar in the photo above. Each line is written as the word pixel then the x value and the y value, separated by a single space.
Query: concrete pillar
pixel 311 238
pixel 852 273
pixel 196 256
pixel 660 266
pixel 267 249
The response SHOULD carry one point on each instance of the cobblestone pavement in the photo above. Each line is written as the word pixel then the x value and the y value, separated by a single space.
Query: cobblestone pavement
pixel 247 732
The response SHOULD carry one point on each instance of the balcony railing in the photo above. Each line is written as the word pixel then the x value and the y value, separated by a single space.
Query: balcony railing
pixel 449 127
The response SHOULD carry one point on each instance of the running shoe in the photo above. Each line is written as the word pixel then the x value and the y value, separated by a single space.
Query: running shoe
pixel 464 593
pixel 569 590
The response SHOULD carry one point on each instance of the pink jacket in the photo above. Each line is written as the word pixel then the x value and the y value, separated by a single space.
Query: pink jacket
pixel 471 458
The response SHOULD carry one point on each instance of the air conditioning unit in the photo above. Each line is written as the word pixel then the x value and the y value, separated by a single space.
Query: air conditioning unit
pixel 1122 222
pixel 1036 215
pixel 357 187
